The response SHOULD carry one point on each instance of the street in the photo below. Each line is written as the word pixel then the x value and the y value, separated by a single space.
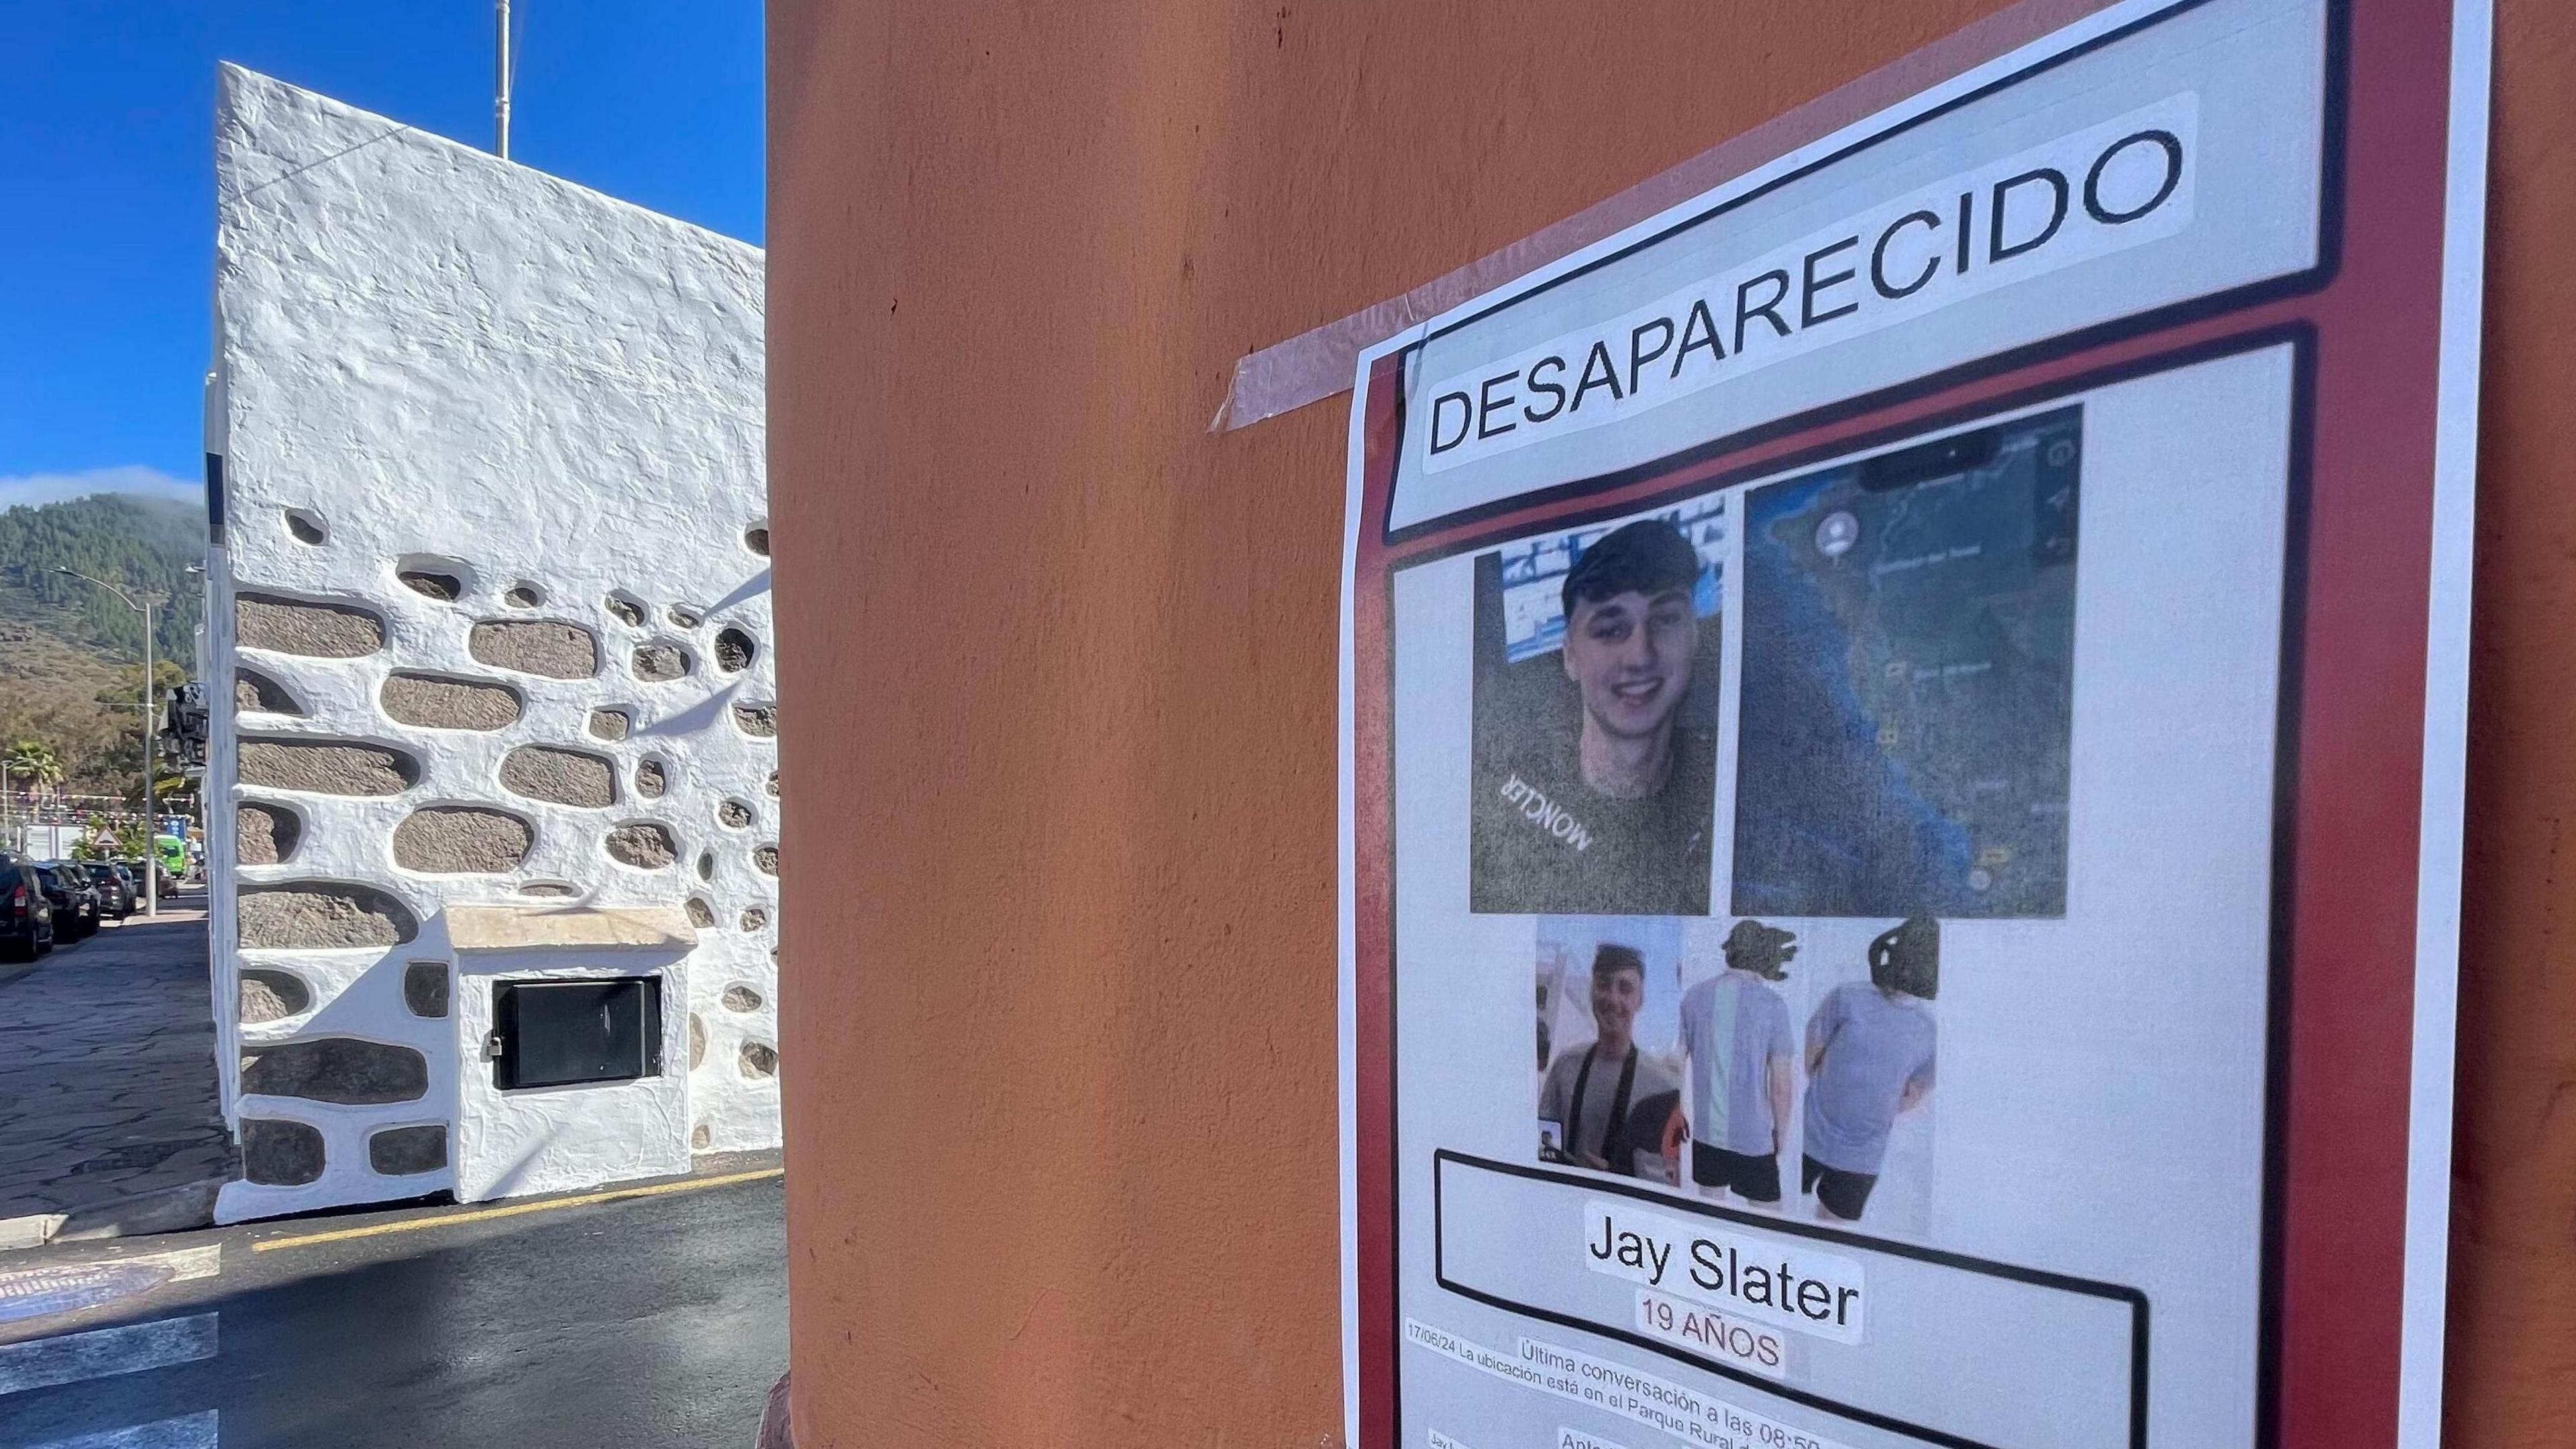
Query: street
pixel 642 1315
pixel 646 1320
pixel 109 1110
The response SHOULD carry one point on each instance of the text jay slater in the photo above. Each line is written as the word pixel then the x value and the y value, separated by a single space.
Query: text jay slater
pixel 1762 1278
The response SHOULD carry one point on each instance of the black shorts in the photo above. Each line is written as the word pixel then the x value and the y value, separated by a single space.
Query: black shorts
pixel 1842 1193
pixel 1755 1179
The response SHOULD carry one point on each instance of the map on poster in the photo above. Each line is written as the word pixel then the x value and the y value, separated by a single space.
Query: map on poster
pixel 1827 744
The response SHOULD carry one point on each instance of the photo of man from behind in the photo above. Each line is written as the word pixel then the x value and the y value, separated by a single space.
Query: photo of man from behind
pixel 1741 1066
pixel 1606 807
pixel 1869 1058
pixel 1584 1105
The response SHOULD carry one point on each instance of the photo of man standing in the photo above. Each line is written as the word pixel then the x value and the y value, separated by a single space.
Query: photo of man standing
pixel 1870 1052
pixel 1598 800
pixel 1741 1065
pixel 1590 1088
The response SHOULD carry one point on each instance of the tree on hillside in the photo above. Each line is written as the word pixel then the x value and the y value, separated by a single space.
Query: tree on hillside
pixel 35 762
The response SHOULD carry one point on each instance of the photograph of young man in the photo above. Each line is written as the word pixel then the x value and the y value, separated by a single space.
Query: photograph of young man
pixel 1591 1088
pixel 1606 808
pixel 1740 1063
pixel 1869 1058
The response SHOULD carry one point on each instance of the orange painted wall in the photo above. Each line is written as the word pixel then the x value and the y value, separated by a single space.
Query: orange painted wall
pixel 1059 666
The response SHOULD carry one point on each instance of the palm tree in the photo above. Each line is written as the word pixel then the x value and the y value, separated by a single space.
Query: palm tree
pixel 37 761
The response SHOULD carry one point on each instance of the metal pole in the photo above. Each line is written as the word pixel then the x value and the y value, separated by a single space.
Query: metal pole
pixel 151 815
pixel 501 80
pixel 151 827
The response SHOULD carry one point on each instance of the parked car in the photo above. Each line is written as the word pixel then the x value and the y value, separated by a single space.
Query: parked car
pixel 75 904
pixel 118 888
pixel 26 914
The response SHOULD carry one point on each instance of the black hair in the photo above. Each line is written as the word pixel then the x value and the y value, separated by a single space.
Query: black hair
pixel 1612 959
pixel 1760 949
pixel 1646 557
pixel 1907 958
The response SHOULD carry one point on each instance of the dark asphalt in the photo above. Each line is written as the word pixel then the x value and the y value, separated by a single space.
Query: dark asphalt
pixel 649 1323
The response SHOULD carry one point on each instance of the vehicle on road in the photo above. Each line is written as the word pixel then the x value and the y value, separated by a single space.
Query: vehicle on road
pixel 117 888
pixel 75 904
pixel 26 913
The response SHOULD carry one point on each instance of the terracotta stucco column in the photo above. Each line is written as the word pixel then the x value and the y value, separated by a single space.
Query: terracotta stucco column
pixel 1059 666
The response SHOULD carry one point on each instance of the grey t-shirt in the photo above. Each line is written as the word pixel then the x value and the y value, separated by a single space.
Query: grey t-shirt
pixel 1875 1046
pixel 1600 1090
pixel 1734 1026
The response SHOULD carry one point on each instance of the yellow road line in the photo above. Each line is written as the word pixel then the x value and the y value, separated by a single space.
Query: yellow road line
pixel 413 1225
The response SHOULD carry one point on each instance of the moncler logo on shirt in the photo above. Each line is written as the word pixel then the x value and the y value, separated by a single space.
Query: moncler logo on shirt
pixel 1550 817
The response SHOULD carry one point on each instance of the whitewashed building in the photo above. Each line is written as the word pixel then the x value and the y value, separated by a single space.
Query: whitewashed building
pixel 492 768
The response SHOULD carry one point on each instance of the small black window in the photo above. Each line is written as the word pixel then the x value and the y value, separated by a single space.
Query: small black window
pixel 556 1033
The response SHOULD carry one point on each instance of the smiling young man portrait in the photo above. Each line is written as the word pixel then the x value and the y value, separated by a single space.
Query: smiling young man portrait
pixel 1604 806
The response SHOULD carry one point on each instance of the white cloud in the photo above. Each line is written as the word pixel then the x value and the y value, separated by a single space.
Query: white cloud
pixel 39 488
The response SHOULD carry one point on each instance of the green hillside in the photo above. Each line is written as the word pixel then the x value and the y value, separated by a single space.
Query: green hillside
pixel 64 644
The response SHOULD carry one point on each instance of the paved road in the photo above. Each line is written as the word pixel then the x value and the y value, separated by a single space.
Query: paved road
pixel 107 1077
pixel 653 1322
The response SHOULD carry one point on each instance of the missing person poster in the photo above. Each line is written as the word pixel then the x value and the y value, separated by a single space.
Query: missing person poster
pixel 1902 729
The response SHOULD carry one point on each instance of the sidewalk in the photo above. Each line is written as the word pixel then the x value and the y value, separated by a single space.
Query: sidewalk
pixel 109 1111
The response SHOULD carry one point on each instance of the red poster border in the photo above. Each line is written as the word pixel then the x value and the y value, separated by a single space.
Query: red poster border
pixel 2345 912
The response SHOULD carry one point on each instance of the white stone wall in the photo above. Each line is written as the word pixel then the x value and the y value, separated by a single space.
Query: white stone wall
pixel 434 363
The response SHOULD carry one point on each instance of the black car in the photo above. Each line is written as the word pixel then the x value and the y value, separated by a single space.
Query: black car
pixel 118 889
pixel 75 904
pixel 26 915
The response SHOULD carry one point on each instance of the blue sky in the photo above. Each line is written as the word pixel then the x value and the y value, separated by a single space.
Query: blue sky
pixel 106 162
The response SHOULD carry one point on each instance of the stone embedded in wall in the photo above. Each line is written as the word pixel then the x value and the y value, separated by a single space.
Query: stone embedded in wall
pixel 627 609
pixel 442 702
pixel 756 538
pixel 700 1138
pixel 524 596
pixel 327 767
pixel 564 777
pixel 256 693
pixel 734 815
pixel 446 588
pixel 648 779
pixel 425 988
pixel 765 859
pixel 298 626
pixel 697 1042
pixel 339 1069
pixel 758 1060
pixel 265 834
pixel 305 526
pixel 611 724
pixel 682 616
pixel 741 998
pixel 268 995
pixel 404 1151
pixel 760 721
pixel 461 840
pixel 642 844
pixel 771 786
pixel 701 915
pixel 549 647
pixel 706 865
pixel 734 650
pixel 547 888
pixel 661 660
pixel 755 919
pixel 279 1153
pixel 320 916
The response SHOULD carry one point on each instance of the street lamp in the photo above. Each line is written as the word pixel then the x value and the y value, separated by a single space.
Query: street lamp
pixel 151 816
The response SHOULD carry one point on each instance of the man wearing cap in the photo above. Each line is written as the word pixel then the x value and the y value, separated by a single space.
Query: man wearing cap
pixel 1607 809
pixel 1742 1060
pixel 1590 1090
